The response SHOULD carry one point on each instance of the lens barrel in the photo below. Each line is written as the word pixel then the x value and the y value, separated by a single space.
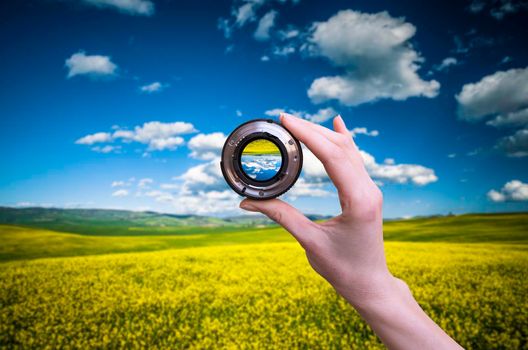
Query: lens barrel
pixel 247 183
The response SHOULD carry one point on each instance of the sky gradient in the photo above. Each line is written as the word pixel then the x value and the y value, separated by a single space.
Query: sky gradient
pixel 126 104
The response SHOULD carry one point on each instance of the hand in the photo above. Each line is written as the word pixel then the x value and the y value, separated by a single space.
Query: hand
pixel 347 250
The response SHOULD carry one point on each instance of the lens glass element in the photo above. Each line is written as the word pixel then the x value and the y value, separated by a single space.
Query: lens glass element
pixel 261 160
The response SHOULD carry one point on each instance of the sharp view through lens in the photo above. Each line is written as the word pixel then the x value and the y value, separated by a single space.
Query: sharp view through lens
pixel 261 160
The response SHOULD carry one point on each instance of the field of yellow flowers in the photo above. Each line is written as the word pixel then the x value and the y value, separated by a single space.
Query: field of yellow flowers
pixel 253 296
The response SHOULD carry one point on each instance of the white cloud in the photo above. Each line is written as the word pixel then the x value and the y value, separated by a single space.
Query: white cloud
pixel 314 171
pixel 120 193
pixel 106 149
pixel 157 135
pixel 245 13
pixel 170 186
pixel 288 34
pixel 265 58
pixel 131 7
pixel 169 143
pixel 206 146
pixel 446 63
pixel 92 65
pixel 145 183
pixel 514 190
pixel 153 87
pixel 496 94
pixel 502 99
pixel 363 131
pixel 203 177
pixel 303 188
pixel 515 145
pixel 389 171
pixel 375 54
pixel 157 130
pixel 98 137
pixel 320 116
pixel 398 173
pixel 265 24
pixel 118 183
pixel 284 50
pixel 517 118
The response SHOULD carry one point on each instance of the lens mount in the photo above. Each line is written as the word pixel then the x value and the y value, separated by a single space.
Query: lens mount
pixel 242 136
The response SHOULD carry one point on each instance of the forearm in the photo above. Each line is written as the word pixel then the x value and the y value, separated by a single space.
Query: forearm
pixel 400 322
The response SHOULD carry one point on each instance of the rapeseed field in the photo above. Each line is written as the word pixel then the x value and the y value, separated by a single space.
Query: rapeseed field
pixel 253 296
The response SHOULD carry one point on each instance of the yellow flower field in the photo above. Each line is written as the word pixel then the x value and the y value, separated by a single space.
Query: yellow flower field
pixel 252 296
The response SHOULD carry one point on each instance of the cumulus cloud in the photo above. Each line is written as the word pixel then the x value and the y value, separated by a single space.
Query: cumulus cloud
pixel 494 95
pixel 515 145
pixel 388 171
pixel 514 190
pixel 153 87
pixel 375 55
pixel 265 24
pixel 501 99
pixel 203 177
pixel 206 146
pixel 517 118
pixel 398 173
pixel 120 193
pixel 94 138
pixel 91 65
pixel 157 135
pixel 130 7
pixel 320 116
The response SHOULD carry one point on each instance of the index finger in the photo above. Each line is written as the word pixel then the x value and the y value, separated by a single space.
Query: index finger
pixel 346 175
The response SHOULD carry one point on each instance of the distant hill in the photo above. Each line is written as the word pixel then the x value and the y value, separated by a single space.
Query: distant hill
pixel 92 221
pixel 122 222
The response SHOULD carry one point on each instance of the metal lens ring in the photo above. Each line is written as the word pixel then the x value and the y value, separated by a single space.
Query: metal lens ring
pixel 271 179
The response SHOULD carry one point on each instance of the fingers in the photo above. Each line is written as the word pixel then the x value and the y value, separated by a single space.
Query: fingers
pixel 320 145
pixel 339 126
pixel 302 228
pixel 342 163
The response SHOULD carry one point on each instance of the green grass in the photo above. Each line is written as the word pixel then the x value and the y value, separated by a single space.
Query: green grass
pixel 19 243
pixel 510 227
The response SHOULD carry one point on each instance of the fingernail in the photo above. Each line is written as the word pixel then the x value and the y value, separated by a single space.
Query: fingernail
pixel 247 206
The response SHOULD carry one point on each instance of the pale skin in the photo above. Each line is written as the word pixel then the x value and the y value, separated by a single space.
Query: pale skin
pixel 347 250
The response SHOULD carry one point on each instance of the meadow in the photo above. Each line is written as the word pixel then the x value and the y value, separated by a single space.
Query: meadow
pixel 252 287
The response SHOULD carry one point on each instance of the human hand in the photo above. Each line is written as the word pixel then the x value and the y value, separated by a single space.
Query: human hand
pixel 347 250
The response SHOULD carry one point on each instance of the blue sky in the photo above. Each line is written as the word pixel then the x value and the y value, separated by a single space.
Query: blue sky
pixel 126 104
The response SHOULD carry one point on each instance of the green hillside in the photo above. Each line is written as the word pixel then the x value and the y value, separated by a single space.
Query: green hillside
pixel 122 222
pixel 92 237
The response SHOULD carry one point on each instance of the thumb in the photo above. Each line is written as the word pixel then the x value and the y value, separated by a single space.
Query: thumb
pixel 302 228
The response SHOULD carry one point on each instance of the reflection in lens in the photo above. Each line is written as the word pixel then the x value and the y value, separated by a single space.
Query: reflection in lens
pixel 261 159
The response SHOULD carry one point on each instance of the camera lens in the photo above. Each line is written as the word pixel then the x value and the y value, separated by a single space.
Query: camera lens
pixel 261 159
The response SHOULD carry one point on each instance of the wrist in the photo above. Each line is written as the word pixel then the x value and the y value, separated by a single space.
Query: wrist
pixel 374 291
